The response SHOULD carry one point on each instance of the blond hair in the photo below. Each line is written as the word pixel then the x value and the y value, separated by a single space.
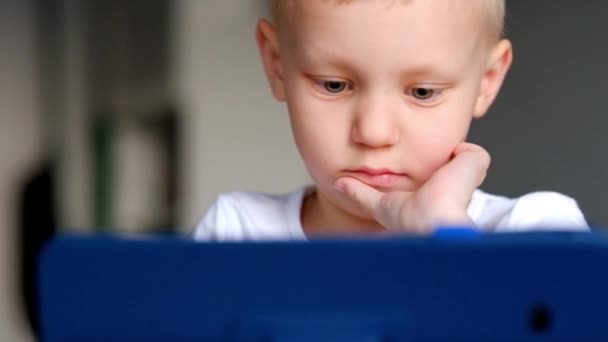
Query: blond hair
pixel 495 9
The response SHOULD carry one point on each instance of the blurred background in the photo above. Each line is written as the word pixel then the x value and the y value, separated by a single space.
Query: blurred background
pixel 131 116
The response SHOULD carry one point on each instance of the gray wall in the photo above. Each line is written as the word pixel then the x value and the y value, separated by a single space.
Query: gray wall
pixel 547 129
pixel 234 135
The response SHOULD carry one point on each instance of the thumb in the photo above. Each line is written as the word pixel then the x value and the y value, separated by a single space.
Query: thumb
pixel 363 194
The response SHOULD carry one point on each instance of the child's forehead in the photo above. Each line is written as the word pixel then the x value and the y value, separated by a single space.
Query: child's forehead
pixel 397 42
pixel 280 7
pixel 490 13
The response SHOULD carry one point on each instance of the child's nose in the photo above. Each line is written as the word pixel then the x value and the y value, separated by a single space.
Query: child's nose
pixel 375 123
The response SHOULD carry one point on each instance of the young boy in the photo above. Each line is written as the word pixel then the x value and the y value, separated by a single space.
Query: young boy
pixel 381 94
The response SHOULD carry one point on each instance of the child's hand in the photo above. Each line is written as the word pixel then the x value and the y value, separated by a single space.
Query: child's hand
pixel 443 199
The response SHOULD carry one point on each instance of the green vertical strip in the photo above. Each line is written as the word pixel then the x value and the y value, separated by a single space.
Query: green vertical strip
pixel 103 139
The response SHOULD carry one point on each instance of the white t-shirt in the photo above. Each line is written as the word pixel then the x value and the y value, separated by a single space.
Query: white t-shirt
pixel 250 216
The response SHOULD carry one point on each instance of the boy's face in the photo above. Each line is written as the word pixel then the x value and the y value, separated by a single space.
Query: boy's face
pixel 381 90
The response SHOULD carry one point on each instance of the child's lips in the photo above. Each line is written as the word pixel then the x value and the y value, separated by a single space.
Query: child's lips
pixel 378 178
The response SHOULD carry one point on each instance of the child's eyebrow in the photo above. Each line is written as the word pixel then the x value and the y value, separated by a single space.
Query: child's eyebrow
pixel 324 56
pixel 420 69
pixel 428 71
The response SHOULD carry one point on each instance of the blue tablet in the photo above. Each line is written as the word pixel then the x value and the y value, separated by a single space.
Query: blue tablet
pixel 467 287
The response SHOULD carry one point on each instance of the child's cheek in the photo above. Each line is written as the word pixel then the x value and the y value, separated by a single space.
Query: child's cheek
pixel 433 156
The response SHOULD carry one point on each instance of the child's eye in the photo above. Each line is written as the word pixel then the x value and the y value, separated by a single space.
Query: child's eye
pixel 424 94
pixel 334 87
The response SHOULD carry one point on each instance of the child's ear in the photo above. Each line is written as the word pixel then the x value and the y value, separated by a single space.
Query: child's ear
pixel 498 65
pixel 268 44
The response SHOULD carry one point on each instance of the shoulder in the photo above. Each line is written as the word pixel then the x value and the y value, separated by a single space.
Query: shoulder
pixel 543 210
pixel 249 216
